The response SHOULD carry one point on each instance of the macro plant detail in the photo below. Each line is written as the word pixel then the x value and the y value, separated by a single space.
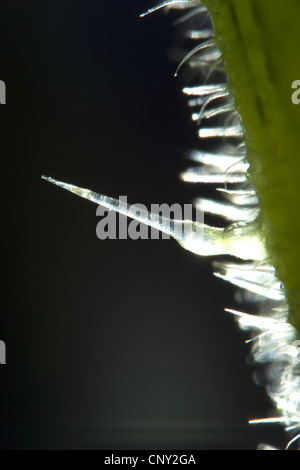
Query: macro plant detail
pixel 234 155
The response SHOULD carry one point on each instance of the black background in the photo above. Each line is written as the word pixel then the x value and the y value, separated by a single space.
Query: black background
pixel 110 344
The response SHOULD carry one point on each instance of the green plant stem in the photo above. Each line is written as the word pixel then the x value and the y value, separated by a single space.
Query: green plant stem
pixel 259 40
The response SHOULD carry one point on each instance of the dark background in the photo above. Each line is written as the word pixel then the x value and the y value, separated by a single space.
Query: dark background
pixel 110 344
